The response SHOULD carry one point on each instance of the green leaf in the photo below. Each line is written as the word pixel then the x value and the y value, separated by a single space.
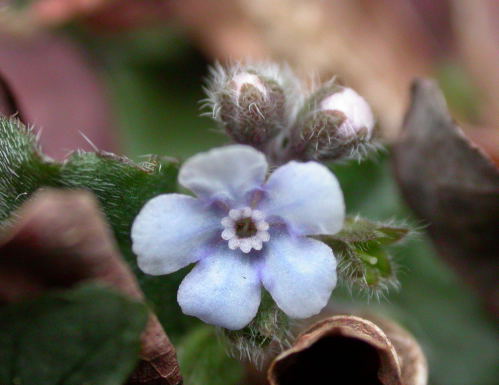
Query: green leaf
pixel 122 187
pixel 204 360
pixel 89 335
pixel 23 168
pixel 363 260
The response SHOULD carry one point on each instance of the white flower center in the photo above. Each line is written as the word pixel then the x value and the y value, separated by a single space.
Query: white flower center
pixel 245 229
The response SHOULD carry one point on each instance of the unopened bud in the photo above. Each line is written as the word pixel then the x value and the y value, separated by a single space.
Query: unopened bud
pixel 248 102
pixel 336 123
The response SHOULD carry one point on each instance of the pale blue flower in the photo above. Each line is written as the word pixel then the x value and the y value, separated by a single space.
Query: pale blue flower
pixel 244 232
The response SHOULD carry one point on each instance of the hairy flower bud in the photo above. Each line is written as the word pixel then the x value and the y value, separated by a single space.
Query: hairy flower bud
pixel 335 123
pixel 248 102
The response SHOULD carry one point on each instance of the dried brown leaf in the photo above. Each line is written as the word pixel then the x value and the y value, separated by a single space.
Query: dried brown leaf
pixel 413 364
pixel 451 184
pixel 342 349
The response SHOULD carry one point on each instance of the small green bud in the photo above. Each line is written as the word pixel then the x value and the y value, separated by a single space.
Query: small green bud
pixel 248 102
pixel 336 123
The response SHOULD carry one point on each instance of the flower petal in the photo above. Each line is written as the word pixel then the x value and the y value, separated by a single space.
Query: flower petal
pixel 299 273
pixel 229 171
pixel 169 232
pixel 307 196
pixel 222 289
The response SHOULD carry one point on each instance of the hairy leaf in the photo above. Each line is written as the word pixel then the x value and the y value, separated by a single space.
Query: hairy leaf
pixel 121 186
pixel 23 168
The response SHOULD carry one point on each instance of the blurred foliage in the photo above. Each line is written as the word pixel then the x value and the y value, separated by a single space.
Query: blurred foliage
pixel 156 86
pixel 204 360
pixel 71 338
pixel 18 4
pixel 156 81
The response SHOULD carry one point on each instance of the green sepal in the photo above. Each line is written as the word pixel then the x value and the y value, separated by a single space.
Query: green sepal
pixel 361 250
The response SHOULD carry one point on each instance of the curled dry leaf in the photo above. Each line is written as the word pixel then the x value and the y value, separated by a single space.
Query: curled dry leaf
pixel 343 349
pixel 413 364
pixel 49 83
pixel 346 349
pixel 60 239
pixel 451 184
